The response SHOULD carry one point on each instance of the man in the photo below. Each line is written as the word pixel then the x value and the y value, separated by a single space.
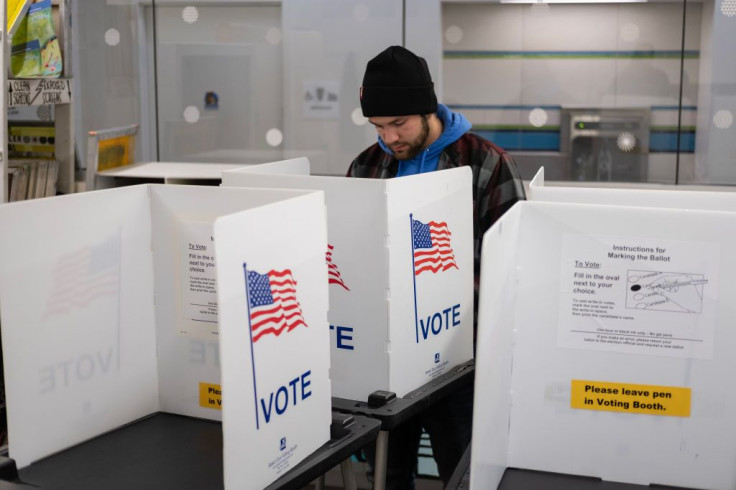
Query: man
pixel 416 135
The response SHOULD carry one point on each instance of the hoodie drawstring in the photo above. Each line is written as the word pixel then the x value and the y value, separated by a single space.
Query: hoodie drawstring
pixel 424 157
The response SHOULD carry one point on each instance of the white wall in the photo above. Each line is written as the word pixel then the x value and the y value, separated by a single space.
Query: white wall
pixel 595 80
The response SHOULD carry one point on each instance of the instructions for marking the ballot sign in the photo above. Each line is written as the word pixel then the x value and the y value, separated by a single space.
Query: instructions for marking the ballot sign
pixel 646 296
pixel 198 280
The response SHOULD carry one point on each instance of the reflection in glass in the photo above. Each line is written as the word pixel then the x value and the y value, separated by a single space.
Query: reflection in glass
pixel 112 37
pixel 191 114
pixel 358 118
pixel 273 36
pixel 538 117
pixel 274 137
pixel 728 8
pixel 453 34
pixel 190 15
pixel 630 32
pixel 723 119
pixel 361 12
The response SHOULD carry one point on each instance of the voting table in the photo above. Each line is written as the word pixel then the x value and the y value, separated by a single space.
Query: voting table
pixel 173 451
pixel 398 410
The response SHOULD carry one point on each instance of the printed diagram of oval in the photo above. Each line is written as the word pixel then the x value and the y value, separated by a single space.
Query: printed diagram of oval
pixel 665 291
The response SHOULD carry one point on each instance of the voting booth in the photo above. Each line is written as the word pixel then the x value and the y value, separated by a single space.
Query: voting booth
pixel 110 307
pixel 272 290
pixel 605 345
pixel 400 269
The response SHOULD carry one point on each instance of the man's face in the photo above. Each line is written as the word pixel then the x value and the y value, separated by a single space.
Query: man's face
pixel 405 135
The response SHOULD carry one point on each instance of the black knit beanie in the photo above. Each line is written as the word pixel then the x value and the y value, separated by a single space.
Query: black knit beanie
pixel 397 83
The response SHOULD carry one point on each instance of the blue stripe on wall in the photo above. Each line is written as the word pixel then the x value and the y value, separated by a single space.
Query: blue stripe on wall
pixel 666 142
pixel 523 140
pixel 511 107
pixel 674 108
pixel 663 53
pixel 523 107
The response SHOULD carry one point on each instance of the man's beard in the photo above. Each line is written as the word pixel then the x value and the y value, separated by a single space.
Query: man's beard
pixel 417 145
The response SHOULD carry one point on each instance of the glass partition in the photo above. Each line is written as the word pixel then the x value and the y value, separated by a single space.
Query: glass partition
pixel 714 138
pixel 251 82
pixel 592 91
pixel 219 75
pixel 110 66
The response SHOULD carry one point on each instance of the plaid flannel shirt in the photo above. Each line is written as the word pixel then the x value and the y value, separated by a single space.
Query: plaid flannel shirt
pixel 497 184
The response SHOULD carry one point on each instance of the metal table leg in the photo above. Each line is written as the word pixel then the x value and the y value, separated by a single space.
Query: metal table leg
pixel 319 483
pixel 379 472
pixel 348 476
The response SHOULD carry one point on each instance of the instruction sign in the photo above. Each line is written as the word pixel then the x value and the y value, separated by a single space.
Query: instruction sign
pixel 210 396
pixel 645 296
pixel 630 398
pixel 198 279
pixel 42 91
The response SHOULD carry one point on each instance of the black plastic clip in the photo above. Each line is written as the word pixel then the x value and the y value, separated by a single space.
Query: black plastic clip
pixel 379 398
pixel 340 425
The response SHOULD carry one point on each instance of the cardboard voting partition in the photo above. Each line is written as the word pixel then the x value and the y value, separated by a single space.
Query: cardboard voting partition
pixel 605 345
pixel 400 265
pixel 190 173
pixel 650 196
pixel 110 311
pixel 292 166
pixel 272 285
pixel 79 351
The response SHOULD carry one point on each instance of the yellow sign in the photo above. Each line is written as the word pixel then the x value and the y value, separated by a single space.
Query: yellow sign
pixel 36 139
pixel 210 396
pixel 631 398
pixel 116 152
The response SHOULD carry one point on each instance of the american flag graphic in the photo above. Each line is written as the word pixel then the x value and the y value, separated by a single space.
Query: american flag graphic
pixel 333 273
pixel 81 277
pixel 273 305
pixel 432 248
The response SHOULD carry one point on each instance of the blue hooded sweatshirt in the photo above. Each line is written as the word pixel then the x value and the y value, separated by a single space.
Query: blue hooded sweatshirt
pixel 454 124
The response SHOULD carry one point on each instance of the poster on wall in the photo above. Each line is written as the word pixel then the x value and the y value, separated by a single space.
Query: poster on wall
pixel 198 280
pixel 321 99
pixel 638 295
